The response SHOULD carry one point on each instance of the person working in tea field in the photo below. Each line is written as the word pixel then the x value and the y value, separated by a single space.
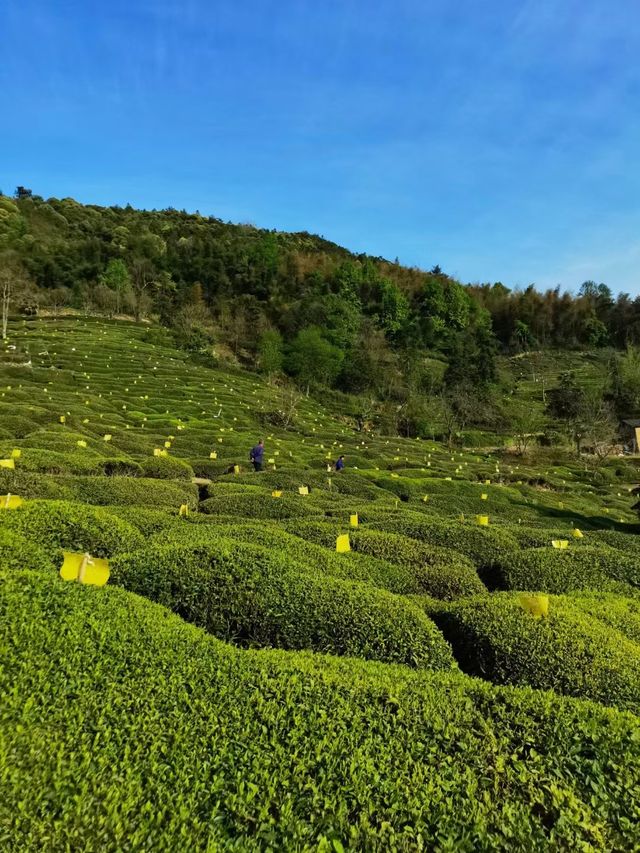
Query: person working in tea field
pixel 256 454
pixel 340 463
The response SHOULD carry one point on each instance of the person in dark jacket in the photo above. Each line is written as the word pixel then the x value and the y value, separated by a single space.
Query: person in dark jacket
pixel 256 454
pixel 340 463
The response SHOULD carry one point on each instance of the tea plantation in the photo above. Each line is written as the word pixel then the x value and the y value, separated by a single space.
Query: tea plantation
pixel 394 657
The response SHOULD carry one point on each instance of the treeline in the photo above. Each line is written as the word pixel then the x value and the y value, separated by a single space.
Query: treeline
pixel 295 304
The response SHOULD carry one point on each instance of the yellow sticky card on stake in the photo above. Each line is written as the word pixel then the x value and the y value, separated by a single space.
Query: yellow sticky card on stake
pixel 63 419
pixel 81 443
pixel 484 496
pixel 159 451
pixel 487 482
pixel 342 543
pixel 561 544
pixel 7 463
pixel 271 461
pixel 236 469
pixel 577 534
pixel 184 510
pixel 10 501
pixel 536 605
pixel 353 519
pixel 84 568
pixel 16 453
pixel 482 520
pixel 213 455
pixel 276 493
pixel 167 444
pixel 106 437
pixel 425 498
pixel 303 490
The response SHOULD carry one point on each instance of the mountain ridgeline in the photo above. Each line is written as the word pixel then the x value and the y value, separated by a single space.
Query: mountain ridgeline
pixel 295 304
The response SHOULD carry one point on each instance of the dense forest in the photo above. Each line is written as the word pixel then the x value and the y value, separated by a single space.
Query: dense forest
pixel 297 305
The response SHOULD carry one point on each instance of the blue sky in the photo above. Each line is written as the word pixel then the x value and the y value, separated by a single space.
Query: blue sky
pixel 499 139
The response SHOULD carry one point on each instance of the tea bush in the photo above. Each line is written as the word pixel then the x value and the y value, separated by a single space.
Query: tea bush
pixel 138 731
pixel 17 553
pixel 568 651
pixel 72 527
pixel 250 597
pixel 558 571
pixel 166 468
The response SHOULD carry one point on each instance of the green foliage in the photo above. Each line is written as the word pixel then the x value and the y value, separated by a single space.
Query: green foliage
pixel 177 715
pixel 72 527
pixel 559 571
pixel 245 504
pixel 166 468
pixel 250 597
pixel 312 359
pixel 270 354
pixel 18 553
pixel 567 651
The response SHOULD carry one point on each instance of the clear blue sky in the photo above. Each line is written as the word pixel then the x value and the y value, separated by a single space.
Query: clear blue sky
pixel 499 139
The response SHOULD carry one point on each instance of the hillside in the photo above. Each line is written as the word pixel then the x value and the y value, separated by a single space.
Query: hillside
pixel 243 683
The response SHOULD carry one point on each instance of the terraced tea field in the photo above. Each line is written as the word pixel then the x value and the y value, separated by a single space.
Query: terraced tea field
pixel 432 650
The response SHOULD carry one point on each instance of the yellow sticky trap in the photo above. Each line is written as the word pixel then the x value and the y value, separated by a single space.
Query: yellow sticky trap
pixel 425 498
pixel 63 419
pixel 303 490
pixel 159 451
pixel 276 493
pixel 536 605
pixel 560 543
pixel 487 482
pixel 236 469
pixel 482 520
pixel 106 437
pixel 184 510
pixel 395 476
pixel 577 534
pixel 213 454
pixel 342 543
pixel 167 444
pixel 7 463
pixel 484 496
pixel 84 568
pixel 448 478
pixel 271 461
pixel 353 519
pixel 81 443
pixel 16 453
pixel 10 501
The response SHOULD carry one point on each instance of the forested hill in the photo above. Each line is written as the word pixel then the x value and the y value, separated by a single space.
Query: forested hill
pixel 290 301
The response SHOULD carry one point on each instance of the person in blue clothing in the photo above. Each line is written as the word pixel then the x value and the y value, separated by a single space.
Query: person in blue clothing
pixel 340 463
pixel 256 454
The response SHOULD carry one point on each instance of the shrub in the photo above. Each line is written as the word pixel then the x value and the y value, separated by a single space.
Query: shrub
pixel 569 652
pixel 250 597
pixel 258 505
pixel 621 613
pixel 16 553
pixel 558 571
pixel 166 468
pixel 439 572
pixel 485 547
pixel 72 527
pixel 131 491
pixel 165 734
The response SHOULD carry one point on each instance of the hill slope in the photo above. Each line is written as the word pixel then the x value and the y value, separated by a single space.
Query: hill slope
pixel 400 695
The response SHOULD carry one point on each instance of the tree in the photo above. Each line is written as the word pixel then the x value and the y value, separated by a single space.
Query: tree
pixel 116 278
pixel 312 359
pixel 270 355
pixel 14 285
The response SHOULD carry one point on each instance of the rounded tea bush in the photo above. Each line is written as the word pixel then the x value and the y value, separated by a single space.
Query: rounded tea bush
pixel 72 527
pixel 251 597
pixel 572 653
pixel 193 739
pixel 18 553
pixel 166 468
